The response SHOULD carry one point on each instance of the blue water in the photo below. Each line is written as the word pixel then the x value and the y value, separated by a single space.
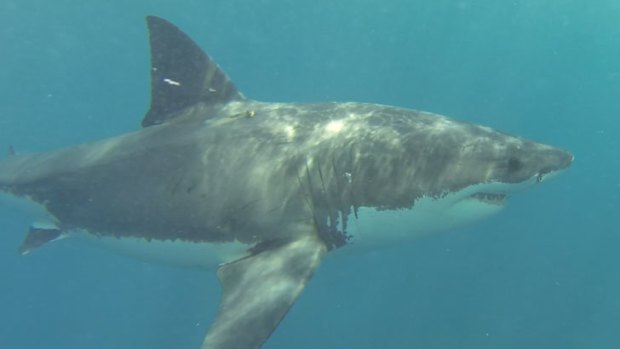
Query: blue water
pixel 543 274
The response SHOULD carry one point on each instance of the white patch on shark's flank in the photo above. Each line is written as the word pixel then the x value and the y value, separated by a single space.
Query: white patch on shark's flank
pixel 289 131
pixel 334 127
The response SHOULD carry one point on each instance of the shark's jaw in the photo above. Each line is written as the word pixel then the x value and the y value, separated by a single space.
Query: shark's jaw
pixel 429 215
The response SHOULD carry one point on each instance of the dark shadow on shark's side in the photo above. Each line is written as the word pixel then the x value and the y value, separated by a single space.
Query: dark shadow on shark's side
pixel 261 191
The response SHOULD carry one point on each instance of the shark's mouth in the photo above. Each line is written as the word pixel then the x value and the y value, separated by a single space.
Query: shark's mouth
pixel 490 198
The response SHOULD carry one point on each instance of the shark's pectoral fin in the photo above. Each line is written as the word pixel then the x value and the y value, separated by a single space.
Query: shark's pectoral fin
pixel 257 291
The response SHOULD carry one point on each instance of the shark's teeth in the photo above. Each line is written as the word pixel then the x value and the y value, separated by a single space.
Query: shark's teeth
pixel 496 198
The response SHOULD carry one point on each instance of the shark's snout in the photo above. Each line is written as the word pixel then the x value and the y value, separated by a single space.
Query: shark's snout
pixel 559 160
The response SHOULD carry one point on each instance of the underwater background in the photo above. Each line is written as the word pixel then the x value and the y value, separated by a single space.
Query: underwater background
pixel 545 273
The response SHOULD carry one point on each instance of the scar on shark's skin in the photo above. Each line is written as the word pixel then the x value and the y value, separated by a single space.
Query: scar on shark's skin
pixel 261 191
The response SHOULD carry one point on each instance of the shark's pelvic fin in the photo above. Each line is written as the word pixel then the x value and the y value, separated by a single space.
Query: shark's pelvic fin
pixel 182 74
pixel 257 291
pixel 38 237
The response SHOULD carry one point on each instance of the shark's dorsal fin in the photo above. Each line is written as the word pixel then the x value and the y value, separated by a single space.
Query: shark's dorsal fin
pixel 182 74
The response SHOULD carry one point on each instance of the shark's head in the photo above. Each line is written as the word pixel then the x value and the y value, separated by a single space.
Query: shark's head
pixel 413 173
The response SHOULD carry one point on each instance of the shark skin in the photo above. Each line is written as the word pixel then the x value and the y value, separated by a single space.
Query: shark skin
pixel 260 191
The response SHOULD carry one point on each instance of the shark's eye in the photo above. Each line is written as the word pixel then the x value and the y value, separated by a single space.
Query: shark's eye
pixel 514 164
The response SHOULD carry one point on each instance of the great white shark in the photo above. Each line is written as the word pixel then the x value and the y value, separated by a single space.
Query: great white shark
pixel 260 191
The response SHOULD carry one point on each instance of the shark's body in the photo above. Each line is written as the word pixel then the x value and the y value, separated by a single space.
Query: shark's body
pixel 264 190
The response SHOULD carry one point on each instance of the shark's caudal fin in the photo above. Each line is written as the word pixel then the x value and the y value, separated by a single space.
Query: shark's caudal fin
pixel 182 74
pixel 257 291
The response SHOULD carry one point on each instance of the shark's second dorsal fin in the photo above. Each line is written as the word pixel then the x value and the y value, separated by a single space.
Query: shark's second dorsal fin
pixel 182 74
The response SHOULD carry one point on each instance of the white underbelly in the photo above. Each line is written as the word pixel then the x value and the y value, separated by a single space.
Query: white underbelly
pixel 374 228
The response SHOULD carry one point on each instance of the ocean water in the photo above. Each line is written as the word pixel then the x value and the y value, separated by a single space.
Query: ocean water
pixel 542 274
